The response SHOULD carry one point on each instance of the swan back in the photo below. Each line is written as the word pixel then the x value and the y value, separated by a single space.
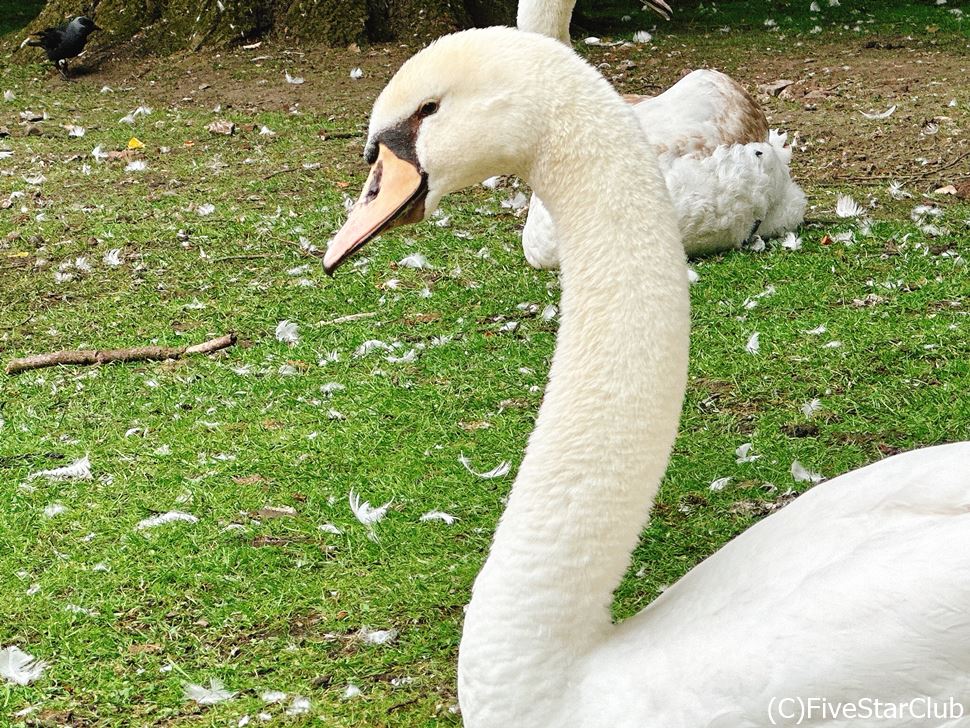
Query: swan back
pixel 699 113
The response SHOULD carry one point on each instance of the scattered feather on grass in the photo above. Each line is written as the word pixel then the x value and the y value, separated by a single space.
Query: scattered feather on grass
pixel 364 512
pixel 438 516
pixel 295 80
pixel 286 331
pixel 719 484
pixel 298 706
pixel 879 114
pixel 754 343
pixel 377 636
pixel 743 454
pixel 215 693
pixel 78 470
pixel 356 73
pixel 272 696
pixel 498 471
pixel 811 407
pixel 801 474
pixel 162 518
pixel 18 667
pixel 845 206
pixel 897 192
pixel 415 260
pixel 352 691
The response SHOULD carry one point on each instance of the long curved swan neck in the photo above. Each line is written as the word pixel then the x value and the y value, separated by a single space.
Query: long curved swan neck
pixel 548 17
pixel 607 423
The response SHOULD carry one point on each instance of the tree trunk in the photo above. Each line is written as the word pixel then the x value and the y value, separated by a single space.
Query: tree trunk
pixel 164 26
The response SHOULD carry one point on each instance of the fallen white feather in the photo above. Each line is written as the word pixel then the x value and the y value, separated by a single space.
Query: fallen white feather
pixel 273 696
pixel 498 471
pixel 754 343
pixel 811 407
pixel 791 242
pixel 112 257
pixel 377 636
pixel 296 80
pixel 163 518
pixel 75 131
pixel 215 693
pixel 817 330
pixel 692 275
pixel 743 454
pixel 364 511
pixel 845 206
pixel 352 691
pixel 54 509
pixel 356 73
pixel 801 474
pixel 642 36
pixel 18 667
pixel 298 706
pixel 330 528
pixel 415 260
pixel 719 484
pixel 371 345
pixel 286 331
pixel 880 114
pixel 78 470
pixel 410 356
pixel 136 165
pixel 438 516
pixel 516 202
pixel 205 209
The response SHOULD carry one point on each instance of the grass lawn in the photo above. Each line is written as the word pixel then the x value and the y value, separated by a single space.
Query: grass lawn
pixel 212 236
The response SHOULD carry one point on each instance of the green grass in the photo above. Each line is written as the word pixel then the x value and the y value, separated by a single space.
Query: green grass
pixel 16 14
pixel 277 603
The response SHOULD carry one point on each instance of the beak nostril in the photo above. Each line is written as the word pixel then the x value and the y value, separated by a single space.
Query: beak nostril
pixel 374 188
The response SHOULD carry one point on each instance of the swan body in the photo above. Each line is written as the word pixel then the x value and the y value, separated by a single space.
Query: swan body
pixel 727 174
pixel 858 589
pixel 722 195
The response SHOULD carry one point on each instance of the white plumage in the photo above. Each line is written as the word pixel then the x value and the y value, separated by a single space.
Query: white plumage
pixel 726 172
pixel 858 589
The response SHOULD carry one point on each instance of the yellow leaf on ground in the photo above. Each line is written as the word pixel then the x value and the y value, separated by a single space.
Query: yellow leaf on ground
pixel 135 143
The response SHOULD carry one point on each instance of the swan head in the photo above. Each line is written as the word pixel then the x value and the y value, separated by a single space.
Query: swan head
pixel 467 107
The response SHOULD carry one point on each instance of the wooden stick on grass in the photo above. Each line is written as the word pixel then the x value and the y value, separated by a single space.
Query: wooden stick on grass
pixel 137 353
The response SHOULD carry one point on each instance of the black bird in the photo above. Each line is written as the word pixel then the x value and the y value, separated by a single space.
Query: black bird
pixel 63 42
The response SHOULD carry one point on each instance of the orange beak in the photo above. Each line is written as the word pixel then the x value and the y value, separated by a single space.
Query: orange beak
pixel 393 195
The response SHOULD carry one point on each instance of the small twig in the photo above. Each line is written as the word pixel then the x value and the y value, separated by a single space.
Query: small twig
pixel 327 136
pixel 252 256
pixel 398 706
pixel 17 325
pixel 285 170
pixel 351 317
pixel 138 353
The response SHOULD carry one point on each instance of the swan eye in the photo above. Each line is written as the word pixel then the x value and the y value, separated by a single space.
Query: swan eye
pixel 427 108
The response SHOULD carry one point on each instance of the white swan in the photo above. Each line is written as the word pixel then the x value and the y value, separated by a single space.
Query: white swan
pixel 858 590
pixel 727 173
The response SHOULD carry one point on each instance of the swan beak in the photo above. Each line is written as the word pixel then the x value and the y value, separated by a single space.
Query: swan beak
pixel 393 195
